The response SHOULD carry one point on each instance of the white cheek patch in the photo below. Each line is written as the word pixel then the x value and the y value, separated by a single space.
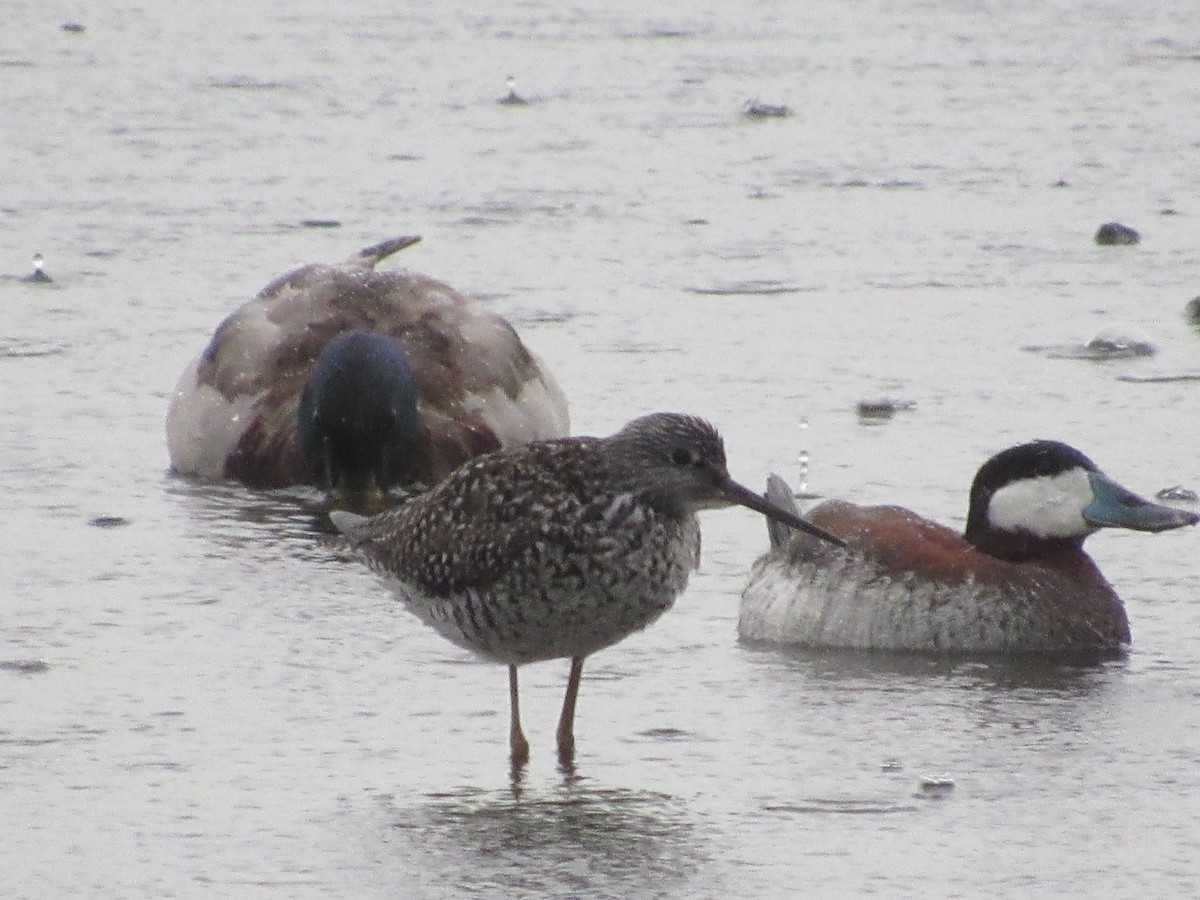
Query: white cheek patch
pixel 1048 507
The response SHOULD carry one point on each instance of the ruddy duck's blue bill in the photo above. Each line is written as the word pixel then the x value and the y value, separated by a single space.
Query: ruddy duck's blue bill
pixel 743 496
pixel 1115 506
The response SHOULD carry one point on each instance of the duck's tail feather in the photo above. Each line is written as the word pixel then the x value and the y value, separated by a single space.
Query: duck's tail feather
pixel 369 257
pixel 779 493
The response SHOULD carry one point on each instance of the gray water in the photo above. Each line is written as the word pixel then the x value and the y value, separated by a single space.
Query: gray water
pixel 199 698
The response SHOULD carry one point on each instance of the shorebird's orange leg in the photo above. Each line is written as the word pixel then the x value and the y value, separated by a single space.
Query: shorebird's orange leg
pixel 566 722
pixel 516 737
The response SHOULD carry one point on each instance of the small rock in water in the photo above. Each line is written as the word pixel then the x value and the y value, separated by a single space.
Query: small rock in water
pixel 882 407
pixel 1192 311
pixel 937 787
pixel 1120 343
pixel 512 98
pixel 38 275
pixel 108 522
pixel 756 109
pixel 1114 234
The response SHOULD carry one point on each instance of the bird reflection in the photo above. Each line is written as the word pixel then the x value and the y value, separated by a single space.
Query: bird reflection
pixel 600 841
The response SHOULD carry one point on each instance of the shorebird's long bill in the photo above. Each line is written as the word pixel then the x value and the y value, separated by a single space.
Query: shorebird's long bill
pixel 742 496
pixel 1115 506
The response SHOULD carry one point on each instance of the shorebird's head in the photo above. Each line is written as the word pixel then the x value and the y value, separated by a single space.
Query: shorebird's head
pixel 677 462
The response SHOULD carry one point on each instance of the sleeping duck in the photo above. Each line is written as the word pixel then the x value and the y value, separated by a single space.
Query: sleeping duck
pixel 358 382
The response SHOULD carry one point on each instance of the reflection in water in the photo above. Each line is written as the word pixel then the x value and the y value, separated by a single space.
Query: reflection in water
pixel 576 839
pixel 996 708
pixel 234 516
pixel 873 669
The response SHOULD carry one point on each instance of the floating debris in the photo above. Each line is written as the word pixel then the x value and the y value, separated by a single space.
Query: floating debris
pixel 756 109
pixel 1119 342
pixel 666 31
pixel 38 275
pixel 1179 494
pixel 1113 343
pixel 72 27
pixel 247 83
pixel 935 788
pixel 320 223
pixel 109 522
pixel 512 98
pixel 882 407
pixel 1114 234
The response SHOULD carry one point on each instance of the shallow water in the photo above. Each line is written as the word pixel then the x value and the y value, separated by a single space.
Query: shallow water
pixel 198 696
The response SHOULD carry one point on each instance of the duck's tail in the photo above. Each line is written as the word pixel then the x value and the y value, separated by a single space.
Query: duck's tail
pixel 779 493
pixel 369 257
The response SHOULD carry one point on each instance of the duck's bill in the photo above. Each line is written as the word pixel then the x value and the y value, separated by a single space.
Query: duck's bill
pixel 745 497
pixel 1115 506
pixel 367 500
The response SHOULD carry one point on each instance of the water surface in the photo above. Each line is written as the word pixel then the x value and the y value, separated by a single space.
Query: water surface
pixel 199 697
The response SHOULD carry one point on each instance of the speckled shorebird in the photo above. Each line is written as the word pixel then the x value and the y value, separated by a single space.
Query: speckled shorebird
pixel 1017 581
pixel 559 548
pixel 358 381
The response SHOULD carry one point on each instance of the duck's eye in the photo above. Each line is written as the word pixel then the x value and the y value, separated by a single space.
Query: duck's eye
pixel 682 456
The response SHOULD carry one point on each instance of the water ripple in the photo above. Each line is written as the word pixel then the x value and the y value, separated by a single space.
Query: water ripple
pixel 18 348
pixel 840 806
pixel 24 666
pixel 750 288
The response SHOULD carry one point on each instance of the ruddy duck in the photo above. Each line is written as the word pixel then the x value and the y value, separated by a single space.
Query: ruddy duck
pixel 359 382
pixel 1016 582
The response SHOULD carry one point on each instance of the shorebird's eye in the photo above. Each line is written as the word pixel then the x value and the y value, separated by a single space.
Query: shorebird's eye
pixel 682 456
